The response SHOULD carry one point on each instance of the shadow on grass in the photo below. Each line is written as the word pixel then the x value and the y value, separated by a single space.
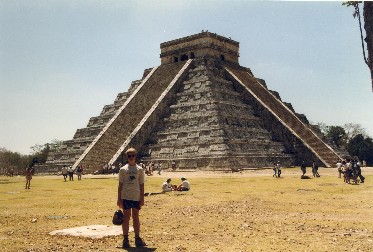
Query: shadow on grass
pixel 3 182
pixel 99 178
pixel 142 249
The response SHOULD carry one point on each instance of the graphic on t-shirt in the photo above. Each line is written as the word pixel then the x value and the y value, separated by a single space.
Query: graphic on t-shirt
pixel 131 178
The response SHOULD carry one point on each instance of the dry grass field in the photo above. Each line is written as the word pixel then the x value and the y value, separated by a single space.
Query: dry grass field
pixel 247 211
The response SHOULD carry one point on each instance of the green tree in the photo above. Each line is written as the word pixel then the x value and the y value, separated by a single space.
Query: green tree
pixel 354 129
pixel 337 134
pixel 361 147
pixel 323 127
pixel 13 161
pixel 40 152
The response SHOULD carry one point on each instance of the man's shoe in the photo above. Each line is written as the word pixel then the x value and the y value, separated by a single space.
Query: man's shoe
pixel 139 242
pixel 126 243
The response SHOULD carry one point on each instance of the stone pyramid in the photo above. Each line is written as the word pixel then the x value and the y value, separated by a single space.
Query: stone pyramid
pixel 201 109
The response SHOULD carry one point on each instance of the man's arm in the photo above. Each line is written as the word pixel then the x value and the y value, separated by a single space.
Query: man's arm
pixel 119 201
pixel 141 194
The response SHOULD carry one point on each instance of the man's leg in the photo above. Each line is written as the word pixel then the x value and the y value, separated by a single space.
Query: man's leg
pixel 136 226
pixel 125 227
pixel 126 221
pixel 136 221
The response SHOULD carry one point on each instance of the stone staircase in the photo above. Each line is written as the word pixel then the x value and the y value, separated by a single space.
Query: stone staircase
pixel 71 150
pixel 210 126
pixel 135 119
pixel 324 152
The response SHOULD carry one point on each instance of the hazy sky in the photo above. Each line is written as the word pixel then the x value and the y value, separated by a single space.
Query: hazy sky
pixel 62 61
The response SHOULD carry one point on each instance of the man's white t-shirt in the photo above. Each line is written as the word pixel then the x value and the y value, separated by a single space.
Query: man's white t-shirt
pixel 186 184
pixel 166 187
pixel 339 165
pixel 131 177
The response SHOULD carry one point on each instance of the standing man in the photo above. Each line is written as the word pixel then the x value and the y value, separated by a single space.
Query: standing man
pixel 274 170
pixel 131 196
pixel 278 167
pixel 173 165
pixel 159 168
pixel 79 171
pixel 64 172
pixel 315 169
pixel 358 172
pixel 303 168
pixel 28 174
pixel 339 168
pixel 71 173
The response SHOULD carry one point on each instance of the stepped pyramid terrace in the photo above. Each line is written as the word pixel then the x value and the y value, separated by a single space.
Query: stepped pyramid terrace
pixel 200 108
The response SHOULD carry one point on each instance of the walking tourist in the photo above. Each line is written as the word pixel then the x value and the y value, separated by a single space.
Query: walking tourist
pixel 339 168
pixel 159 169
pixel 358 172
pixel 79 172
pixel 64 172
pixel 347 171
pixel 28 174
pixel 131 196
pixel 274 170
pixel 303 168
pixel 315 169
pixel 173 165
pixel 278 168
pixel 71 173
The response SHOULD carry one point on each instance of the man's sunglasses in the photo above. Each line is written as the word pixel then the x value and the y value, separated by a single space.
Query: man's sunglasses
pixel 131 156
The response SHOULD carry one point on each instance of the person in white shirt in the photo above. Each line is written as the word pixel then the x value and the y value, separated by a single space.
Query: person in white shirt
pixel 131 196
pixel 339 167
pixel 184 186
pixel 167 186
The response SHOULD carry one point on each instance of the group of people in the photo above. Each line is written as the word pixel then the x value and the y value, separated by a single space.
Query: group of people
pixel 168 187
pixel 351 171
pixel 69 171
pixel 315 170
pixel 109 169
pixel 152 166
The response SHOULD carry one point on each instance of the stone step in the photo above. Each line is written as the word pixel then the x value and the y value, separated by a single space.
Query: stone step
pixel 119 129
pixel 288 118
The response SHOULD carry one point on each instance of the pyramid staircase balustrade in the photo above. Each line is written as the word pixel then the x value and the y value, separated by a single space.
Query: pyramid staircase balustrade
pixel 284 115
pixel 151 111
pixel 127 121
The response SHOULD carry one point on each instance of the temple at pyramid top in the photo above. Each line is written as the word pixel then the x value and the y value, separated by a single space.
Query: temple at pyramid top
pixel 204 44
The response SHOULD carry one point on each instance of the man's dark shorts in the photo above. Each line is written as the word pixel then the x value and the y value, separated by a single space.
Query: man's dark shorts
pixel 128 204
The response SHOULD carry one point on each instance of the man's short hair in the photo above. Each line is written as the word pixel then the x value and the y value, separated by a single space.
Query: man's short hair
pixel 131 150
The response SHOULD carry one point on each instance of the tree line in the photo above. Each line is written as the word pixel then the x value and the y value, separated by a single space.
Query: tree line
pixel 16 163
pixel 352 138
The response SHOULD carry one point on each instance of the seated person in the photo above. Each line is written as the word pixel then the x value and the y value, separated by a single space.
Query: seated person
pixel 184 186
pixel 167 186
